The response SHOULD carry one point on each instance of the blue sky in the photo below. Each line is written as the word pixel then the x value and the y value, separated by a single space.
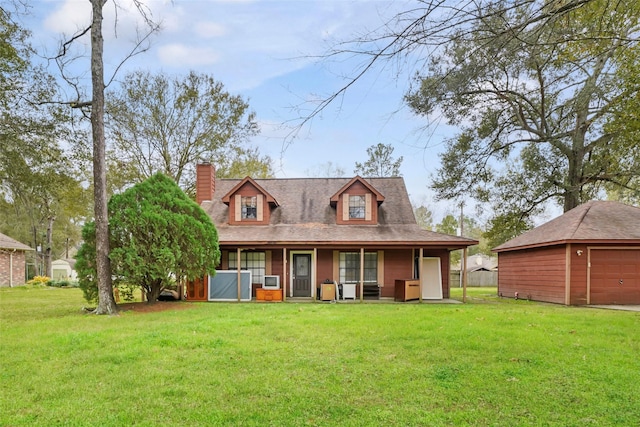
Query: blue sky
pixel 267 51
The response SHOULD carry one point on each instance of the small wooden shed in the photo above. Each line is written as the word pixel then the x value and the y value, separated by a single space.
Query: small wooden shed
pixel 589 255
pixel 64 269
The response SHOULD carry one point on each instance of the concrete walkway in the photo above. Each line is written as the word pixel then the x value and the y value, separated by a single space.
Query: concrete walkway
pixel 617 307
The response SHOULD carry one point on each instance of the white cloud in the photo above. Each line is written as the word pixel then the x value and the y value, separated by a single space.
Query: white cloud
pixel 209 30
pixel 180 55
pixel 71 16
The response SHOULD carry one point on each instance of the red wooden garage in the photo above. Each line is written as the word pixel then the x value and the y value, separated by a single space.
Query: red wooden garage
pixel 589 255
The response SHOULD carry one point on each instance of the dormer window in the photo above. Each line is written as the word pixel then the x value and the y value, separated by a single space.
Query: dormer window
pixel 357 202
pixel 249 203
pixel 249 207
pixel 357 207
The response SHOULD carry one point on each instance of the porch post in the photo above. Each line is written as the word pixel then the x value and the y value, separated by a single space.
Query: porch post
pixel 361 274
pixel 284 274
pixel 420 262
pixel 239 278
pixel 314 281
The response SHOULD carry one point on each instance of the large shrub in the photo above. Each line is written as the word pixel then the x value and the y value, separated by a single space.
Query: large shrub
pixel 158 235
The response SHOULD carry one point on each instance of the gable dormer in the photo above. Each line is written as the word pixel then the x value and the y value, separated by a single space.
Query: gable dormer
pixel 357 203
pixel 249 203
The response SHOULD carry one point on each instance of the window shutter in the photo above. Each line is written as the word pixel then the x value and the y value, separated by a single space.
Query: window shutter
pixel 367 207
pixel 267 267
pixel 345 207
pixel 238 213
pixel 259 207
pixel 381 268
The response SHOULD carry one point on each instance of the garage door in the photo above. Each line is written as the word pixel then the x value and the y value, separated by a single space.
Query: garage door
pixel 615 276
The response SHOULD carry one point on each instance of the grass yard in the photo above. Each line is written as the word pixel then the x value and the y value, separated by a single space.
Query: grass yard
pixel 490 362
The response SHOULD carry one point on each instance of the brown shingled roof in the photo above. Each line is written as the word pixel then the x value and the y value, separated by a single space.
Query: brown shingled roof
pixel 7 242
pixel 305 216
pixel 594 221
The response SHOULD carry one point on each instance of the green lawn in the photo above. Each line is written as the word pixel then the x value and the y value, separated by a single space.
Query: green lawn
pixel 489 362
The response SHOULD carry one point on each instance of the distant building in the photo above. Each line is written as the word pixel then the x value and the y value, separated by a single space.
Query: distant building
pixel 63 269
pixel 12 261
pixel 479 262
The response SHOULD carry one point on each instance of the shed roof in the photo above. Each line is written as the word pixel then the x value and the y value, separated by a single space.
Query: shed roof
pixel 594 221
pixel 305 216
pixel 7 242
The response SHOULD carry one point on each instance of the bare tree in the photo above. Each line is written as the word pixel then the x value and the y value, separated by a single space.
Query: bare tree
pixel 106 302
pixel 407 39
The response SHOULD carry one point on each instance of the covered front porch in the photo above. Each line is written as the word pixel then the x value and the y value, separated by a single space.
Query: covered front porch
pixel 347 274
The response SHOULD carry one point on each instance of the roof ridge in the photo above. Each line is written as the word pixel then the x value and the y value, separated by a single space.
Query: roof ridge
pixel 588 207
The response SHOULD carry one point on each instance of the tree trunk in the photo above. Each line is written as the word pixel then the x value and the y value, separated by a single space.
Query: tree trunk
pixel 155 288
pixel 106 301
pixel 47 252
pixel 572 187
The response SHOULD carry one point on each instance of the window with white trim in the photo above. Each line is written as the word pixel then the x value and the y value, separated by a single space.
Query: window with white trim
pixel 350 267
pixel 252 261
pixel 357 207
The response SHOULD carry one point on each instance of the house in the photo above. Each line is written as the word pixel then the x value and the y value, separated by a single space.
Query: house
pixel 479 262
pixel 589 255
pixel 12 261
pixel 481 271
pixel 358 233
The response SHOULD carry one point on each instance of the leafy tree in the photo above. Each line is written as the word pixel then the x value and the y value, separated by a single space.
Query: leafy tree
pixel 326 170
pixel 424 217
pixel 38 182
pixel 86 263
pixel 533 85
pixel 167 124
pixel 157 235
pixel 448 225
pixel 381 163
pixel 244 162
pixel 538 103
pixel 625 121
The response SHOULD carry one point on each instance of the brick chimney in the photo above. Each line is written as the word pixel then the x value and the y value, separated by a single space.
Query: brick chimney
pixel 205 182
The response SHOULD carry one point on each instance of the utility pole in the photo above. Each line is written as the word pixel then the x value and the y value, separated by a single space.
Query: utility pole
pixel 463 259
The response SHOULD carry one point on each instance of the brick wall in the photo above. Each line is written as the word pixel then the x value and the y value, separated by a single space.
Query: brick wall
pixel 17 259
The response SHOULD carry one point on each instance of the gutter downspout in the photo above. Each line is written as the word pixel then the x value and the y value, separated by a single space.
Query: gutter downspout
pixel 11 267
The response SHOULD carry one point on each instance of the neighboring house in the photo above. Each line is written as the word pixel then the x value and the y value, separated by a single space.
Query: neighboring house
pixel 64 269
pixel 479 262
pixel 359 233
pixel 589 255
pixel 481 271
pixel 12 261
